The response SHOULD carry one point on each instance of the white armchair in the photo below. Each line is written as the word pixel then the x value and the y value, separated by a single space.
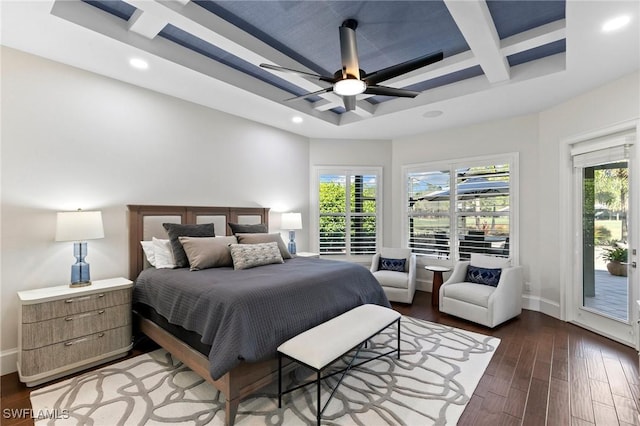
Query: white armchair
pixel 483 304
pixel 398 286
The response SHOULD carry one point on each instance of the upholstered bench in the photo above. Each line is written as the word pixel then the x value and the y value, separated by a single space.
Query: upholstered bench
pixel 321 346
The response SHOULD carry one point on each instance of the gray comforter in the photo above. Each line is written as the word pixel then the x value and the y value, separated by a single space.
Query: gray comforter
pixel 247 314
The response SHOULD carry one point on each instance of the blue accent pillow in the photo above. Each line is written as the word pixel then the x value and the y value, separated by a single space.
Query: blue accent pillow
pixel 484 276
pixel 396 265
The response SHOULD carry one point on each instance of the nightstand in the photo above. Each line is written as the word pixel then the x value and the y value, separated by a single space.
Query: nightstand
pixel 64 330
pixel 307 254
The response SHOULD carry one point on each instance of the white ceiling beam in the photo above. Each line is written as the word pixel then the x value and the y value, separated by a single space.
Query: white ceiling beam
pixel 449 65
pixel 229 38
pixel 474 21
pixel 146 24
pixel 535 37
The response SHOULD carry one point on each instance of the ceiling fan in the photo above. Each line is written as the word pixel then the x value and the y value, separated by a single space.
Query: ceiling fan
pixel 351 80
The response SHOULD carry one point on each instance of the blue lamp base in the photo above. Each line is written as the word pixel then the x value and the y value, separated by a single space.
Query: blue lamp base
pixel 80 270
pixel 292 242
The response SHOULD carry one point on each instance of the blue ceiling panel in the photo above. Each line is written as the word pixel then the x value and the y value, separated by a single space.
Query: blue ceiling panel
pixel 537 53
pixel 389 32
pixel 512 17
pixel 115 7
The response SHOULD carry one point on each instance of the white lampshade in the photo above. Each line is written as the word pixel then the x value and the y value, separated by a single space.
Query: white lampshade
pixel 291 221
pixel 79 226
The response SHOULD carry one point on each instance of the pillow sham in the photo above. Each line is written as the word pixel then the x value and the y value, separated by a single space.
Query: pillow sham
pixel 149 253
pixel 247 256
pixel 239 228
pixel 265 238
pixel 162 253
pixel 387 264
pixel 208 252
pixel 486 276
pixel 176 230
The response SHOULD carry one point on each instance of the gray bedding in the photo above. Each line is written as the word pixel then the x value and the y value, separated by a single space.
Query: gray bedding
pixel 247 314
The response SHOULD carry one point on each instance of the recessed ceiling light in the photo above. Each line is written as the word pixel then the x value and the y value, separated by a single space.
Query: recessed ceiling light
pixel 139 63
pixel 297 119
pixel 616 23
pixel 432 114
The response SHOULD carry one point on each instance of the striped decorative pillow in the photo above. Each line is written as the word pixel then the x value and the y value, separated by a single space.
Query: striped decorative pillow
pixel 247 256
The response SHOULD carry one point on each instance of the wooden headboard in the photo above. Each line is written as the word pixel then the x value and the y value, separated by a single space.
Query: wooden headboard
pixel 145 222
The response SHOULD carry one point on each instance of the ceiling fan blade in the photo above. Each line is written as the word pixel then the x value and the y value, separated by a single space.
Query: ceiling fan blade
pixel 349 102
pixel 302 73
pixel 349 49
pixel 403 68
pixel 306 95
pixel 390 91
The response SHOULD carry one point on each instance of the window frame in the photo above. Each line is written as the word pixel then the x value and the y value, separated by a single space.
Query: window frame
pixel 512 159
pixel 348 172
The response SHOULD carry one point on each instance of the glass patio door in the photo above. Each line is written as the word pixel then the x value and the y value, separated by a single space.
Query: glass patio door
pixel 603 225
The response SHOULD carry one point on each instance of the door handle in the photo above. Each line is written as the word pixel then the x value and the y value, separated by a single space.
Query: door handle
pixel 633 264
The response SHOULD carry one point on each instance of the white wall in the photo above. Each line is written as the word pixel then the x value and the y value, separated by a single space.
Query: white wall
pixel 612 103
pixel 74 139
pixel 518 134
pixel 345 152
pixel 537 138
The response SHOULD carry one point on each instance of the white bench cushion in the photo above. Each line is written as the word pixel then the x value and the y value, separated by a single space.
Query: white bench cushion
pixel 322 344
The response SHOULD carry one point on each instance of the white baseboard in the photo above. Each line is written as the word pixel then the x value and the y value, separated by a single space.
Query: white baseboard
pixel 8 361
pixel 539 304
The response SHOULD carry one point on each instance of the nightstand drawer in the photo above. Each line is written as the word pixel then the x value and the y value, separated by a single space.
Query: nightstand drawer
pixel 74 305
pixel 51 357
pixel 36 335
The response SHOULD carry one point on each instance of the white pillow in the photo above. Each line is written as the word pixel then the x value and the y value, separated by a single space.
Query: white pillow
pixel 163 254
pixel 149 252
pixel 490 262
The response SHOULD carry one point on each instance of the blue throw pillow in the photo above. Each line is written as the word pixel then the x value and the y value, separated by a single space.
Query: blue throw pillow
pixel 396 265
pixel 484 276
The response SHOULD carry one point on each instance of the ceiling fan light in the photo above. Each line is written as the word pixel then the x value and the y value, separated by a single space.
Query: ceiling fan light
pixel 349 87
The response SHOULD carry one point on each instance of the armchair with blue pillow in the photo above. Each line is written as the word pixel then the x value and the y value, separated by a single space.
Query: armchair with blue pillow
pixel 395 270
pixel 486 290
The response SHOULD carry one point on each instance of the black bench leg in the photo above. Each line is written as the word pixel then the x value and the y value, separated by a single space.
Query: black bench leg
pixel 279 381
pixel 398 338
pixel 319 408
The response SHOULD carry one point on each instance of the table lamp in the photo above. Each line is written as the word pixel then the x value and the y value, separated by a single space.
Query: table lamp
pixel 78 227
pixel 291 222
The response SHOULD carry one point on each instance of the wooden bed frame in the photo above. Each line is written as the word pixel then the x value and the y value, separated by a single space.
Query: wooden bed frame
pixel 242 380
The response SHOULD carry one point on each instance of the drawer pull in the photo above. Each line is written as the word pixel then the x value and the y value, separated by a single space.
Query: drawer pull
pixel 88 314
pixel 84 339
pixel 81 299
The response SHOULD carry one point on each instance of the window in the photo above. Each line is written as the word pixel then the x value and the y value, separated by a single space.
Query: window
pixel 456 209
pixel 348 211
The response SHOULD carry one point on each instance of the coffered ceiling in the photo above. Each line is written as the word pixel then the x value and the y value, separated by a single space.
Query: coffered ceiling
pixel 501 57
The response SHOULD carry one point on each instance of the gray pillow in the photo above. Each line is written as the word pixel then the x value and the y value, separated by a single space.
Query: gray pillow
pixel 208 252
pixel 247 256
pixel 265 238
pixel 176 230
pixel 239 228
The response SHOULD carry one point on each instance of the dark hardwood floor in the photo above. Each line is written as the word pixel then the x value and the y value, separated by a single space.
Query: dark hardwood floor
pixel 545 372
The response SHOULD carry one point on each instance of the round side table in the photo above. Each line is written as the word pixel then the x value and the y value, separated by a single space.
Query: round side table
pixel 437 282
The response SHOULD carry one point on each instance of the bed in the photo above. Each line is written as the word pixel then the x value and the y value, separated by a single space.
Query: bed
pixel 225 324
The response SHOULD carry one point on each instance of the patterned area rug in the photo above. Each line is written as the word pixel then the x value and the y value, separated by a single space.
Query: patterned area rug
pixel 431 383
